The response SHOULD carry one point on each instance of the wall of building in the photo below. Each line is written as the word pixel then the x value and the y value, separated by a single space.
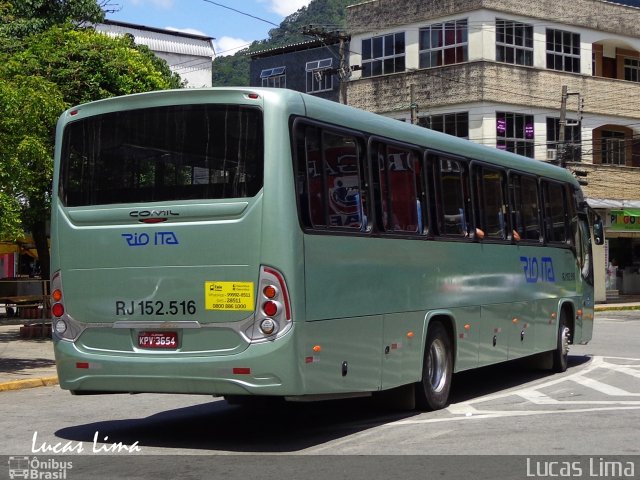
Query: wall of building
pixel 590 14
pixel 196 71
pixel 188 55
pixel 295 63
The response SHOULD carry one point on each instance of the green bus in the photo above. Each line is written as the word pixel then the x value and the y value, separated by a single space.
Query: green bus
pixel 262 242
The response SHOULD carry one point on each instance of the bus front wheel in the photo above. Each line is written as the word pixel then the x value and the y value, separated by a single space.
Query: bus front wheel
pixel 432 392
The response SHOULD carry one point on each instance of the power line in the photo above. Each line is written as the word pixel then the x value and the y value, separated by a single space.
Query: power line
pixel 241 12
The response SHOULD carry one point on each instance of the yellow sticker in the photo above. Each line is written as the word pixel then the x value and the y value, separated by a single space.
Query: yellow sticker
pixel 228 296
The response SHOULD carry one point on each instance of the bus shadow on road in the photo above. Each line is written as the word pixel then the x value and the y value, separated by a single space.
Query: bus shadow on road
pixel 271 426
pixel 283 427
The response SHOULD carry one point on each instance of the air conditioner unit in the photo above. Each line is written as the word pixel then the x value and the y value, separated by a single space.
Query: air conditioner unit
pixel 552 154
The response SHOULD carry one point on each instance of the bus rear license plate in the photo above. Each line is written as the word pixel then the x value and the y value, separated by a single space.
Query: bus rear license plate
pixel 158 340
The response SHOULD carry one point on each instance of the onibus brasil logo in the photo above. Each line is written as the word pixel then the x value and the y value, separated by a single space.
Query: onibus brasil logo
pixel 33 468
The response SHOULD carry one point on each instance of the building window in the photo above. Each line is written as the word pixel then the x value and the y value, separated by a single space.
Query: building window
pixel 563 50
pixel 383 55
pixel 319 75
pixel 274 77
pixel 515 133
pixel 514 42
pixel 613 148
pixel 456 124
pixel 632 69
pixel 572 140
pixel 444 44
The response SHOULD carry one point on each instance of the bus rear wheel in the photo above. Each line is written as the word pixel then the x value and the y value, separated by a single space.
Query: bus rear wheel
pixel 432 392
pixel 561 353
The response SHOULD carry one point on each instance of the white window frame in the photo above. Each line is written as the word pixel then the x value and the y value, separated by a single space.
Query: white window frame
pixel 275 77
pixel 632 69
pixel 570 54
pixel 318 77
pixel 431 56
pixel 388 62
pixel 522 45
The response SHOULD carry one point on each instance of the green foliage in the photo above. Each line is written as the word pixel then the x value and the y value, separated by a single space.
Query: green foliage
pixel 87 65
pixel 45 67
pixel 19 18
pixel 326 13
pixel 29 108
pixel 231 70
pixel 234 69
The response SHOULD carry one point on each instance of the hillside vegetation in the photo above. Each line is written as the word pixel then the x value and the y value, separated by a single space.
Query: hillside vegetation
pixel 233 70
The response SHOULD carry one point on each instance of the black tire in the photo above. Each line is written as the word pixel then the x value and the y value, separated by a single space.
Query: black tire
pixel 561 353
pixel 432 392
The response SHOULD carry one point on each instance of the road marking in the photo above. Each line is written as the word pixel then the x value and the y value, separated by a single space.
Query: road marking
pixel 628 371
pixel 510 413
pixel 478 408
pixel 462 409
pixel 537 397
pixel 603 387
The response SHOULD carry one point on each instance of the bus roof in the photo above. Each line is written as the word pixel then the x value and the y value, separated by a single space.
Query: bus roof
pixel 333 113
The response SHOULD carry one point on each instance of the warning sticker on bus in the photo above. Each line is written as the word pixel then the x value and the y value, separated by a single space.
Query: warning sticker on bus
pixel 228 296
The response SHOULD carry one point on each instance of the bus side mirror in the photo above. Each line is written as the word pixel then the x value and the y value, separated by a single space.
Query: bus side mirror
pixel 598 231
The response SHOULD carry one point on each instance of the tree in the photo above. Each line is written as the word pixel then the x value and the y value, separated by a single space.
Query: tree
pixel 54 69
pixel 87 65
pixel 29 108
pixel 19 19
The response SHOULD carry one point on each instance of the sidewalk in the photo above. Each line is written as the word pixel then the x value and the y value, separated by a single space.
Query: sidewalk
pixel 28 363
pixel 24 363
pixel 621 302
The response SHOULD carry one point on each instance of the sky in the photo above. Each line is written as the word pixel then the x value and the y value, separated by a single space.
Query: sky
pixel 232 30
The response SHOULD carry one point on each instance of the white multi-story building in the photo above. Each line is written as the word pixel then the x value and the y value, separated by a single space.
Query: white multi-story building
pixel 493 71
pixel 188 55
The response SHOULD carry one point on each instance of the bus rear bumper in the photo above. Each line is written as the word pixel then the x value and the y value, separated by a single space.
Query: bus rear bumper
pixel 261 369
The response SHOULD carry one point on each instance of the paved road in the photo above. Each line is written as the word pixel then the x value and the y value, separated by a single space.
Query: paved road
pixel 593 410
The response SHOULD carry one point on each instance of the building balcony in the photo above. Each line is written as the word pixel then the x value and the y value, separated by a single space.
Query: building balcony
pixel 491 82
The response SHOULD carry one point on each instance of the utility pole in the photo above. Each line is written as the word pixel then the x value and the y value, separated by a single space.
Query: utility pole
pixel 563 123
pixel 343 73
pixel 343 70
pixel 414 105
pixel 562 152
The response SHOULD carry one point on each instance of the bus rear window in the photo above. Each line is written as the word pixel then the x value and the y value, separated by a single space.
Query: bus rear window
pixel 183 152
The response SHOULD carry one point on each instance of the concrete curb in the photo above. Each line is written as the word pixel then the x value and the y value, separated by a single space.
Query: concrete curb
pixel 32 383
pixel 604 308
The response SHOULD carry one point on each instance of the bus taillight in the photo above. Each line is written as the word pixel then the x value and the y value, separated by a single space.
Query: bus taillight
pixel 57 310
pixel 273 317
pixel 57 307
pixel 270 308
pixel 64 327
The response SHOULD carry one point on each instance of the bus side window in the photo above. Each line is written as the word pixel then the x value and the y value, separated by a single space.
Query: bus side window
pixel 399 176
pixel 492 205
pixel 555 218
pixel 311 168
pixel 343 191
pixel 525 204
pixel 453 198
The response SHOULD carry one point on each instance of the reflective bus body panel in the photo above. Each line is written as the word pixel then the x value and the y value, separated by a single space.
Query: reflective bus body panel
pixel 359 304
